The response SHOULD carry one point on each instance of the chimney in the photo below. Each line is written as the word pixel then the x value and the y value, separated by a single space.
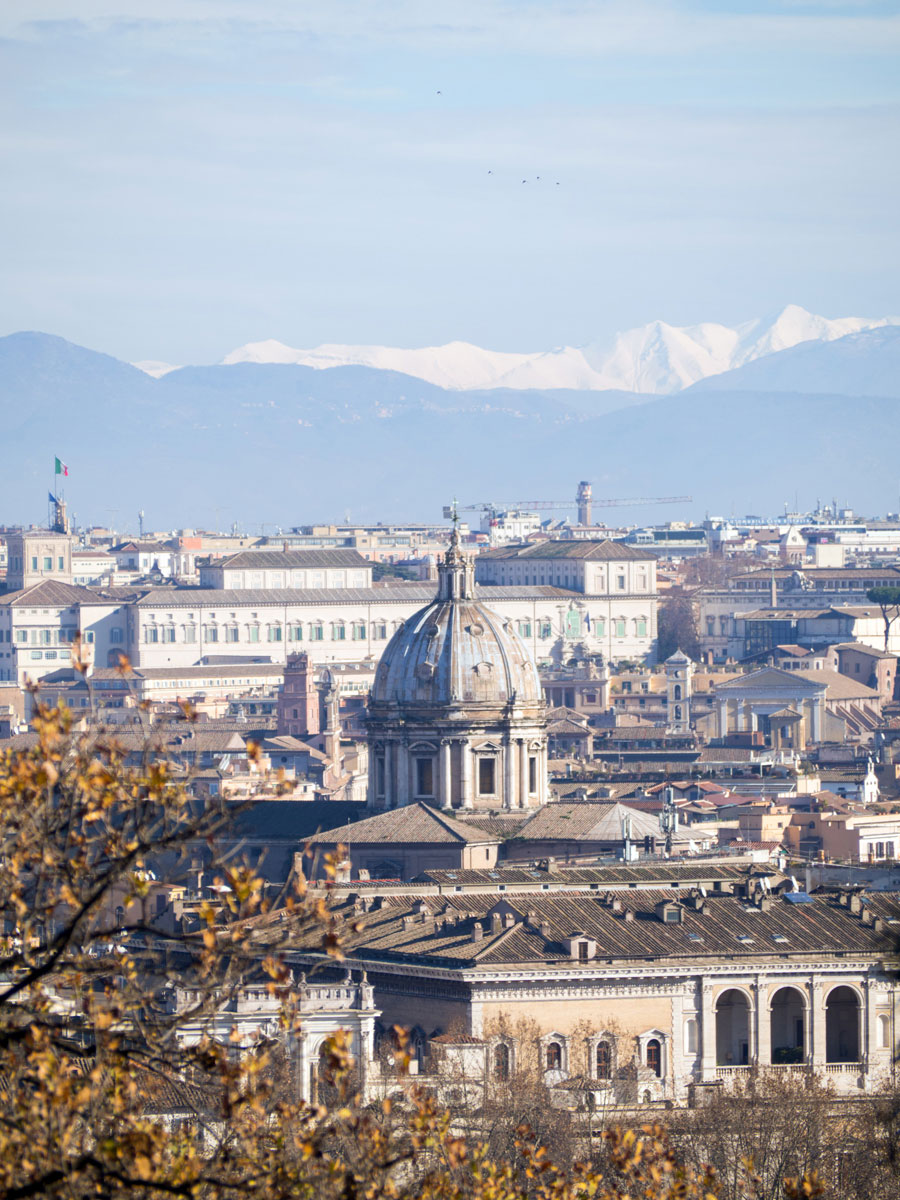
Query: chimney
pixel 477 932
pixel 496 922
pixel 628 915
pixel 545 930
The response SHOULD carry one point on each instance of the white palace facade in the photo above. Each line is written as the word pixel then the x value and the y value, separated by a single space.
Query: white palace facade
pixel 602 605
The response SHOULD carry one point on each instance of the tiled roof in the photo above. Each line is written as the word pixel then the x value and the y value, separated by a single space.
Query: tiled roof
pixel 50 592
pixel 188 597
pixel 260 559
pixel 439 930
pixel 587 822
pixel 414 823
pixel 599 551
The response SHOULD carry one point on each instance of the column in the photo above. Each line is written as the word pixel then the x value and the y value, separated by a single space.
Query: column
pixel 509 790
pixel 465 799
pixel 402 774
pixel 390 787
pixel 816 1050
pixel 868 1031
pixel 741 716
pixel 817 714
pixel 446 780
pixel 723 717
pixel 524 799
pixel 707 1034
pixel 763 1025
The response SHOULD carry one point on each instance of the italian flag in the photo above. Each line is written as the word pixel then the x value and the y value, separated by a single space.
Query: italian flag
pixel 61 468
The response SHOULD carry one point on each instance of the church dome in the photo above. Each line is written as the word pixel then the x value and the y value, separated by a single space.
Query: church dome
pixel 456 650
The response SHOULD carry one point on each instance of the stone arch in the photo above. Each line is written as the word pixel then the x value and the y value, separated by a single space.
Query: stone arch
pixel 733 1015
pixel 843 1025
pixel 788 1017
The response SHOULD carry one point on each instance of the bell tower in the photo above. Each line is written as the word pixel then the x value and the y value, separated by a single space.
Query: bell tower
pixel 679 677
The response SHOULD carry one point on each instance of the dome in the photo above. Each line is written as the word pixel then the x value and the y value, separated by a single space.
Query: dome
pixel 456 650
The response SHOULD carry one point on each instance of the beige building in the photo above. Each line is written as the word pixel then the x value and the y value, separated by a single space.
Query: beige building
pixel 36 555
pixel 860 837
pixel 647 987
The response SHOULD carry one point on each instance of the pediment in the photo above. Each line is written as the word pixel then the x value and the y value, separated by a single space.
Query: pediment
pixel 772 679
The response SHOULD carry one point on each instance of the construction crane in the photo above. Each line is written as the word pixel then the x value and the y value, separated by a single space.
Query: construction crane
pixel 583 502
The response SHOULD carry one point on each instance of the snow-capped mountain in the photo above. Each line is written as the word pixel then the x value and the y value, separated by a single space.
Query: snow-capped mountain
pixel 152 366
pixel 657 358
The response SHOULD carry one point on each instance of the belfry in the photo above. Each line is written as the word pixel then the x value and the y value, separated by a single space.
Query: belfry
pixel 456 715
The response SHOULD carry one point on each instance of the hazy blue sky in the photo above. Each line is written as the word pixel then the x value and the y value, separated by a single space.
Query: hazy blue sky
pixel 184 176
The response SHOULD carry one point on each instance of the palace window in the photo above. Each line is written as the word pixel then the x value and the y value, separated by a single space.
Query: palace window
pixel 501 1061
pixel 168 633
pixel 252 633
pixel 379 631
pixel 545 629
pixel 604 1060
pixel 358 631
pixel 553 1056
pixel 190 633
pixel 295 632
pixel 274 633
pixel 424 776
pixel 619 624
pixel 316 632
pixel 338 631
pixel 654 1056
pixel 486 776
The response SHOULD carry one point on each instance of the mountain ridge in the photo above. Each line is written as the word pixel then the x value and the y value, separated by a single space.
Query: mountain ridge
pixel 655 359
pixel 205 446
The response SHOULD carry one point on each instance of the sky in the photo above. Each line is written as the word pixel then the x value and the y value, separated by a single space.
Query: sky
pixel 186 176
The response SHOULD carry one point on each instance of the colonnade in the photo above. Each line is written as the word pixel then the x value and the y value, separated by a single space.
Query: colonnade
pixel 455 778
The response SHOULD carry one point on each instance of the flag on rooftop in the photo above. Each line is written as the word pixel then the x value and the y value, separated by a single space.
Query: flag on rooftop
pixel 61 468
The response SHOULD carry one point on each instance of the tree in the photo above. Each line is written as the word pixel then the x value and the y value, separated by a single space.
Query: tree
pixel 888 600
pixel 677 626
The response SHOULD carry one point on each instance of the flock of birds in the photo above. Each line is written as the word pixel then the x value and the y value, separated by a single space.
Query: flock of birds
pixel 537 178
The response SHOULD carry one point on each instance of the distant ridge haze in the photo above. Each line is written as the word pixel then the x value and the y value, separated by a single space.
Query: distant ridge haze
pixel 655 359
pixel 203 446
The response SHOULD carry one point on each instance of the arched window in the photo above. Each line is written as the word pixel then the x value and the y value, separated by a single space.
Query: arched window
pixel 604 1060
pixel 842 1026
pixel 676 692
pixel 501 1061
pixel 554 1056
pixel 677 712
pixel 654 1056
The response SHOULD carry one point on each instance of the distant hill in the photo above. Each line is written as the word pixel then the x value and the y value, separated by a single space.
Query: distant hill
pixel 206 446
pixel 860 364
